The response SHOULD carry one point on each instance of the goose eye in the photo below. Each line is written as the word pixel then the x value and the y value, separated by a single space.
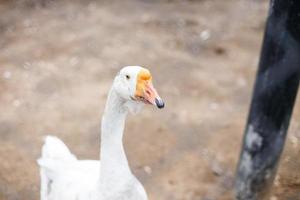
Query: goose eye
pixel 127 77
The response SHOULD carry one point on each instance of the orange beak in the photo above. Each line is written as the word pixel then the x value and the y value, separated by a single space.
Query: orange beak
pixel 152 96
pixel 146 92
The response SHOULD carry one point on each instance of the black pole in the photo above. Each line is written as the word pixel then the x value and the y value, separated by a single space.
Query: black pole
pixel 273 99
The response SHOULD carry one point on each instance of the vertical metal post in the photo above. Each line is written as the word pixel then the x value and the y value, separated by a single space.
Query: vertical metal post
pixel 273 99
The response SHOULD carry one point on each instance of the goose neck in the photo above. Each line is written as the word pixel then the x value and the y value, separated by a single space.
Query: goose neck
pixel 114 164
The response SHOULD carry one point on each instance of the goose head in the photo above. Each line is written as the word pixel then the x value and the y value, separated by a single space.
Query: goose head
pixel 134 85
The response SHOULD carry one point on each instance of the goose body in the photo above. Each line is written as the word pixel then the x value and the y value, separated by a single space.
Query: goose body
pixel 64 177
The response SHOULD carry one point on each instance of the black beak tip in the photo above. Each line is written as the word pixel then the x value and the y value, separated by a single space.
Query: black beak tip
pixel 159 103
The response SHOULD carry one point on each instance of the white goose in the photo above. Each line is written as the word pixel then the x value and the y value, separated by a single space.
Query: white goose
pixel 63 177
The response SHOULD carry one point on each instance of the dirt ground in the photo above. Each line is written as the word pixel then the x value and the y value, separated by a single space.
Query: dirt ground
pixel 57 61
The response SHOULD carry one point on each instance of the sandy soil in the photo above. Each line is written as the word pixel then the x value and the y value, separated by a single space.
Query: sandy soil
pixel 57 61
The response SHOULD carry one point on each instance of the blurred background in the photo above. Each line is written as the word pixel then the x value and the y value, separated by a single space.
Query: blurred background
pixel 57 62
